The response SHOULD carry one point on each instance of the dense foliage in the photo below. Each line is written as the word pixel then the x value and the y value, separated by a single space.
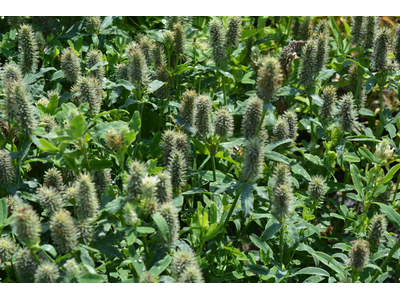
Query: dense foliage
pixel 199 149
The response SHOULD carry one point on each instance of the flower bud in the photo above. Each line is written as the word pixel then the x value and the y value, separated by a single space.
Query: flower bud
pixel 101 179
pixel 317 187
pixel 92 58
pixel 25 265
pixel 145 44
pixel 384 151
pixel 63 231
pixel 329 99
pixel 192 274
pixel 253 164
pixel 50 199
pixel 179 39
pixel 346 113
pixel 129 215
pixel 22 108
pixel 167 210
pixel 377 229
pixel 90 92
pixel 359 255
pixel 28 49
pixel 282 202
pixel 281 129
pixel 381 46
pixel 53 178
pixel 296 28
pixel 26 224
pixel 7 249
pixel 85 230
pixel 115 139
pixel 322 28
pixel 87 204
pixel 158 55
pixel 137 66
pixel 291 118
pixel 188 107
pixel 177 168
pixel 168 144
pixel 70 65
pixel 252 117
pixel 121 72
pixel 48 122
pixel 164 187
pixel 281 175
pixel 6 169
pixel 72 268
pixel 308 65
pixel 92 24
pixel 182 260
pixel 234 31
pixel 269 79
pixel 137 172
pixel 203 115
pixel 356 29
pixel 396 42
pixel 47 272
pixel 217 40
pixel 322 52
pixel 224 123
pixel 368 31
pixel 305 29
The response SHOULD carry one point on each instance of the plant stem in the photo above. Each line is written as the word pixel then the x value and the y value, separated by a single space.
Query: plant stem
pixel 232 207
pixel 381 99
pixel 261 122
pixel 311 115
pixel 224 89
pixel 397 187
pixel 386 261
pixel 213 167
pixel 281 246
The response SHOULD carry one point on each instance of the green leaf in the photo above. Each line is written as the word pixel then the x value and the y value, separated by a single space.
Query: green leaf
pixel 257 269
pixel 77 126
pixel 369 85
pixel 276 157
pixel 92 278
pixel 356 177
pixel 273 226
pixel 97 164
pixel 155 85
pixel 53 104
pixel 162 226
pixel 160 266
pixel 50 249
pixel 299 170
pixel 247 199
pixel 137 261
pixel 57 75
pixel 367 154
pixel 293 236
pixel 277 143
pixel 312 271
pixel 331 263
pixel 145 230
pixel 136 122
pixel 45 145
pixel 124 83
pixel 261 245
pixel 3 212
pixel 390 174
pixel 391 214
pixel 325 74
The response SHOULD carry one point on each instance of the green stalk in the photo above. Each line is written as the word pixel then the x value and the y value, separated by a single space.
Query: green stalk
pixel 397 187
pixel 281 245
pixel 232 207
pixel 213 167
pixel 224 89
pixel 386 261
pixel 381 99
pixel 261 122
pixel 359 83
pixel 311 115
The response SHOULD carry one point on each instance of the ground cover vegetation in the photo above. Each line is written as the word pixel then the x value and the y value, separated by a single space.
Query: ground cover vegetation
pixel 199 149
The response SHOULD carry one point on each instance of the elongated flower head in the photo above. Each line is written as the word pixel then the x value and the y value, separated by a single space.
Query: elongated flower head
pixel 281 175
pixel 7 249
pixel 85 229
pixel 322 27
pixel 137 172
pixel 168 37
pixel 368 31
pixel 164 187
pixel 282 202
pixel 6 169
pixel 234 31
pixel 87 204
pixel 25 265
pixel 177 167
pixel 162 74
pixel 296 28
pixel 121 71
pixel 15 21
pixel 53 178
pixel 168 144
pixel 149 184
pixel 26 224
pixel 68 175
pixel 317 187
pixel 47 272
pixel 192 274
pixel 137 66
pixel 321 55
pixel 63 231
pixel 396 50
pixel 22 108
pixel 182 260
pixel 167 210
pixel 92 24
pixel 72 268
pixel 305 29
pixel 217 40
pixel 308 64
pixel 291 118
pixel 50 199
pixel 48 122
pixel 145 44
pixel 381 47
pixel 28 49
pixel 203 115
pixel 129 215
pixel 356 29
pixel 253 164
pixel 329 98
pixel 92 58
pixel 384 151
pixel 188 107
pixel 101 179
pixel 252 117
pixel 115 139
pixel 158 55
pixel 179 39
pixel 70 65
pixel 90 92
pixel 269 79
pixel 281 129
pixel 182 144
pixel 377 229
pixel 224 123
pixel 10 73
pixel 346 112
pixel 359 255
